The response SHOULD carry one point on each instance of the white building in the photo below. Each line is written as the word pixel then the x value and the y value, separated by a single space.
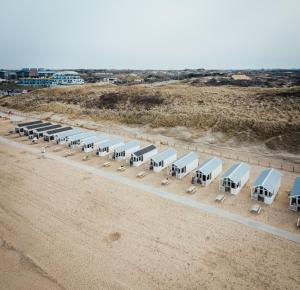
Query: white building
pixel 62 137
pixel 93 143
pixel 207 171
pixel 235 178
pixel 266 186
pixel 184 165
pixel 142 155
pixel 62 78
pixel 163 159
pixel 50 135
pixel 124 151
pixel 28 130
pixel 39 132
pixel 295 195
pixel 20 127
pixel 109 146
pixel 65 78
pixel 76 139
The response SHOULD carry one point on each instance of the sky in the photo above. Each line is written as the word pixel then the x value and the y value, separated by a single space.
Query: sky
pixel 156 34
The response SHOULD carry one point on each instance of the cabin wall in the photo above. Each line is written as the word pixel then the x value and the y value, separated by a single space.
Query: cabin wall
pixel 295 207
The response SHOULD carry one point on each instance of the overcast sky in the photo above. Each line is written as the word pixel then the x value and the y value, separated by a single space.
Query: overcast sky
pixel 143 34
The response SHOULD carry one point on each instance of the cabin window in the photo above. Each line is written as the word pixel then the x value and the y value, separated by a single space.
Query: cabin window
pixel 209 177
pixel 204 177
pixel 293 201
pixel 233 185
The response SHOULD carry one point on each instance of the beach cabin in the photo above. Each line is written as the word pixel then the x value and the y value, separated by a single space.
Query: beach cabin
pixel 163 159
pixel 38 133
pixel 142 155
pixel 76 139
pixel 109 146
pixel 91 144
pixel 234 178
pixel 295 195
pixel 20 127
pixel 50 135
pixel 184 165
pixel 62 137
pixel 207 171
pixel 266 185
pixel 28 130
pixel 124 151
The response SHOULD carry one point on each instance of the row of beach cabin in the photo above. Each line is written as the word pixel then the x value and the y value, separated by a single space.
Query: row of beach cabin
pixel 264 188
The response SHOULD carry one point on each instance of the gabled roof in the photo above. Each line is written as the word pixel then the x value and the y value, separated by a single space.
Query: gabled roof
pixel 28 123
pixel 236 171
pixel 296 187
pixel 209 165
pixel 111 142
pixel 268 179
pixel 69 133
pixel 37 126
pixel 163 155
pixel 82 135
pixel 127 146
pixel 47 128
pixel 144 150
pixel 185 159
pixel 58 130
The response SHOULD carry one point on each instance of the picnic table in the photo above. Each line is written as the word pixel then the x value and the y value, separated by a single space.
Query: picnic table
pixel 191 189
pixel 165 182
pixel 141 174
pixel 255 208
pixel 220 198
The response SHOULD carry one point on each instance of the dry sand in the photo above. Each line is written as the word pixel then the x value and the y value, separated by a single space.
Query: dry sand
pixel 62 228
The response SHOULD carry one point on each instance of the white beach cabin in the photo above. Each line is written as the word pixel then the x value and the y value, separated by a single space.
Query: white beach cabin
pixel 38 133
pixel 184 165
pixel 28 130
pixel 142 155
pixel 295 195
pixel 207 171
pixel 266 185
pixel 235 178
pixel 109 146
pixel 76 139
pixel 51 135
pixel 93 143
pixel 163 159
pixel 62 137
pixel 20 127
pixel 124 151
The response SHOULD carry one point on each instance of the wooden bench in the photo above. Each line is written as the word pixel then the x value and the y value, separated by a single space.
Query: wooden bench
pixel 106 164
pixel 122 168
pixel 191 189
pixel 165 182
pixel 220 198
pixel 141 174
pixel 255 208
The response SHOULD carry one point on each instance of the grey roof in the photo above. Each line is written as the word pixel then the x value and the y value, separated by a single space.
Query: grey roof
pixel 144 150
pixel 81 136
pixel 47 128
pixel 52 132
pixel 94 139
pixel 112 142
pixel 127 146
pixel 268 179
pixel 29 123
pixel 69 133
pixel 209 165
pixel 163 155
pixel 37 126
pixel 296 187
pixel 185 159
pixel 236 171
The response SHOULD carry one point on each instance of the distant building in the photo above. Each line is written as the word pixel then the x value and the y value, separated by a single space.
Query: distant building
pixel 57 79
